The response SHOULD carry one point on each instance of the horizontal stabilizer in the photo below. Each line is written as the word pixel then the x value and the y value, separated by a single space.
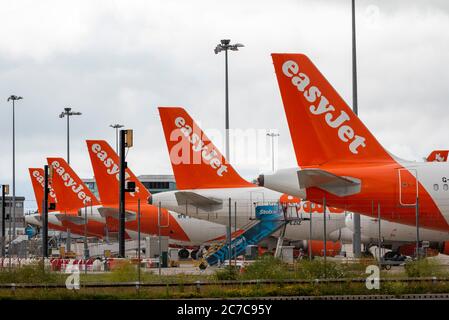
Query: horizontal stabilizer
pixel 70 218
pixel 199 201
pixel 339 186
pixel 114 213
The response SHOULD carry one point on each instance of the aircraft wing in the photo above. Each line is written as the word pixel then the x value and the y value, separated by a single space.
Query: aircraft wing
pixel 198 200
pixel 337 185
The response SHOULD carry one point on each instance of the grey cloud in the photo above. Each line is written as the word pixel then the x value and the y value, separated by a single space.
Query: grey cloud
pixel 116 61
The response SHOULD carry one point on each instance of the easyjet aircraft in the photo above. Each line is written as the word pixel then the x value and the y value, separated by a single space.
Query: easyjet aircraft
pixel 37 181
pixel 76 201
pixel 184 137
pixel 206 182
pixel 180 228
pixel 69 211
pixel 60 218
pixel 339 160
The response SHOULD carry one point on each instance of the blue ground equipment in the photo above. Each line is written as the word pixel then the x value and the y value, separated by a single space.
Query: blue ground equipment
pixel 270 219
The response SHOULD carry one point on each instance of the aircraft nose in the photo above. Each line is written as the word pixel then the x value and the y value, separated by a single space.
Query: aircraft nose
pixel 261 180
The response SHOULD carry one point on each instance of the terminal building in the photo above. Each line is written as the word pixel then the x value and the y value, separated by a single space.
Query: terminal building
pixel 20 220
pixel 155 183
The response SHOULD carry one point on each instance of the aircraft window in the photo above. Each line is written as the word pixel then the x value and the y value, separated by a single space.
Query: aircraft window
pixel 435 187
pixel 445 187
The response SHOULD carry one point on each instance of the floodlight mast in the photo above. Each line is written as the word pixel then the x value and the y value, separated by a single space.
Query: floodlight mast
pixel 225 45
pixel 67 113
pixel 13 98
pixel 116 127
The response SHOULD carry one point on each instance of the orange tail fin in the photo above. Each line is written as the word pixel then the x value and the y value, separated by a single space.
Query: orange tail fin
pixel 438 155
pixel 106 166
pixel 37 180
pixel 71 191
pixel 322 125
pixel 196 162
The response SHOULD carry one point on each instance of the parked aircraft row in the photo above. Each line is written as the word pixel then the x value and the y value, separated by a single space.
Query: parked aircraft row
pixel 339 160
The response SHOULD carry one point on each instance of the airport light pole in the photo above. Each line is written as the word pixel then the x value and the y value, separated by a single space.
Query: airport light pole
pixel 225 45
pixel 86 246
pixel 272 135
pixel 357 237
pixel 14 98
pixel 138 242
pixel 116 127
pixel 229 235
pixel 418 252
pixel 67 113
pixel 379 221
pixel 126 141
pixel 309 246
pixel 45 214
pixel 5 191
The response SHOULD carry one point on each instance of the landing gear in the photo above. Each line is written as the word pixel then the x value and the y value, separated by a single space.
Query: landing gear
pixel 183 253
pixel 194 254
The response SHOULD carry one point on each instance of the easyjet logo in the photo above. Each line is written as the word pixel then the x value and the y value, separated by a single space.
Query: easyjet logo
pixel 209 157
pixel 333 118
pixel 111 167
pixel 40 179
pixel 70 183
pixel 439 158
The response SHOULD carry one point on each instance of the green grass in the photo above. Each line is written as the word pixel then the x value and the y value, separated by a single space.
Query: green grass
pixel 425 268
pixel 266 267
pixel 217 291
pixel 34 273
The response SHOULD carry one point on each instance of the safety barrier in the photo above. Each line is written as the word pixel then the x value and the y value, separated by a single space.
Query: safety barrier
pixel 433 280
pixel 61 264
pixel 18 262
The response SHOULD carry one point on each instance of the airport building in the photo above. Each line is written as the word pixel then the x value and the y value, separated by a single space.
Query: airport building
pixel 20 220
pixel 155 183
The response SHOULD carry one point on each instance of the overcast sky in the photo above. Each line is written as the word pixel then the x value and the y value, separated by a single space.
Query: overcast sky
pixel 116 61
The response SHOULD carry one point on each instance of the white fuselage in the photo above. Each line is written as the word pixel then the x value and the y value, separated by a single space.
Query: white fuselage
pixel 245 201
pixel 339 226
pixel 198 231
pixel 433 177
pixel 391 232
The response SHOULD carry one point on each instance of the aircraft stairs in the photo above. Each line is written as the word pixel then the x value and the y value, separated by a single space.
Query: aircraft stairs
pixel 269 219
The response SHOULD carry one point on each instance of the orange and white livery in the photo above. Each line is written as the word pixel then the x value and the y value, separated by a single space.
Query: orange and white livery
pixel 66 214
pixel 206 181
pixel 340 160
pixel 181 229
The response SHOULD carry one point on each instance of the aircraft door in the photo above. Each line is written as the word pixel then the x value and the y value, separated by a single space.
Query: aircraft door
pixel 408 187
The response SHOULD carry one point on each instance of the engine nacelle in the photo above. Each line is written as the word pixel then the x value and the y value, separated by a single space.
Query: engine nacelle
pixel 283 180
